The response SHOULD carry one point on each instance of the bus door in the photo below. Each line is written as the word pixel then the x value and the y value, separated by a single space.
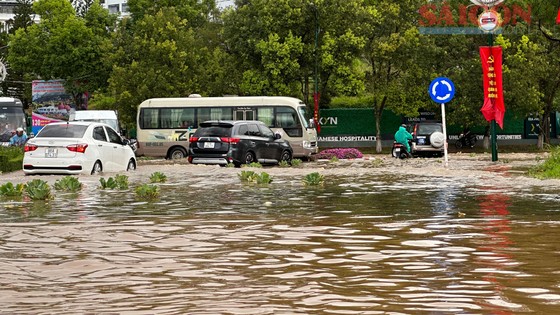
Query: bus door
pixel 244 113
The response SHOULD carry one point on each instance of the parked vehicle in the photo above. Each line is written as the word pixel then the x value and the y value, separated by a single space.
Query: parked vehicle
pixel 77 147
pixel 428 139
pixel 238 142
pixel 466 139
pixel 108 117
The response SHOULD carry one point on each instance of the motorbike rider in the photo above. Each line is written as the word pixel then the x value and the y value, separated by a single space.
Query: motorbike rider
pixel 402 136
pixel 19 138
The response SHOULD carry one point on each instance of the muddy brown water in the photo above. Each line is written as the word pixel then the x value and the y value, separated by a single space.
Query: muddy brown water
pixel 359 244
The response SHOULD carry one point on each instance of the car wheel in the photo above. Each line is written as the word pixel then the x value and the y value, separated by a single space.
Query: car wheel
pixel 177 153
pixel 286 156
pixel 131 165
pixel 437 140
pixel 249 157
pixel 97 168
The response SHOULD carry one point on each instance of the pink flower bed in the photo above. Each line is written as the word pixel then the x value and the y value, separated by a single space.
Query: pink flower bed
pixel 340 153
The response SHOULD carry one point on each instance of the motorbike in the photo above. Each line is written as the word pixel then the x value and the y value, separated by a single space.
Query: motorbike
pixel 466 139
pixel 399 151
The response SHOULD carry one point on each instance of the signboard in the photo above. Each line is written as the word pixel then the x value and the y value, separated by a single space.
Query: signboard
pixel 441 90
pixel 489 21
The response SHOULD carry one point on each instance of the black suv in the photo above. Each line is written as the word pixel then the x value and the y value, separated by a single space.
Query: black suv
pixel 238 142
pixel 428 139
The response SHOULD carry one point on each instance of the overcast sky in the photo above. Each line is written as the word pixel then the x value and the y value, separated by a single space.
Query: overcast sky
pixel 224 3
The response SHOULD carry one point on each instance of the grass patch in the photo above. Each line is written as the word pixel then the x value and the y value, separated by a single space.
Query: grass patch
pixel 550 168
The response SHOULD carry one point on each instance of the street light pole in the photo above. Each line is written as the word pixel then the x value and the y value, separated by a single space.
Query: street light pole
pixel 493 137
pixel 316 70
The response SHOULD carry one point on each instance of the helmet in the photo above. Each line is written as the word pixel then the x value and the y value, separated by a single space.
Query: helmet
pixel 403 125
pixel 19 129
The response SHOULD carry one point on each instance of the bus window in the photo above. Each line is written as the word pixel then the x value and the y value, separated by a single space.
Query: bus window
pixel 287 119
pixel 214 113
pixel 149 118
pixel 266 115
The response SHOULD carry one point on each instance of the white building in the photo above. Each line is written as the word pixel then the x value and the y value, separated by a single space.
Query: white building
pixel 7 11
pixel 116 6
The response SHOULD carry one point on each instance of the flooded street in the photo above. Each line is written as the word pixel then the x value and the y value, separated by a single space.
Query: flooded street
pixel 360 244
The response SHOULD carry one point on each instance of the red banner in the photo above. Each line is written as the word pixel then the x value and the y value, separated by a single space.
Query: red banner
pixel 316 97
pixel 493 107
pixel 558 17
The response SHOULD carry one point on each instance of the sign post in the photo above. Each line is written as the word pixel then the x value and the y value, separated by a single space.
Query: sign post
pixel 441 91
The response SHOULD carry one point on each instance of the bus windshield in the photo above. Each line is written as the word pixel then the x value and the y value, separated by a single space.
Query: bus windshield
pixel 303 116
pixel 11 117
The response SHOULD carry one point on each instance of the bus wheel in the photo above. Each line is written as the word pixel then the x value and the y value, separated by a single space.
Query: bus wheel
pixel 177 153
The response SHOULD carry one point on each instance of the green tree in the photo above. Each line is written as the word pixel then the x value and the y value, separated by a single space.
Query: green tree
pixel 395 57
pixel 157 57
pixel 62 46
pixel 276 48
pixel 15 84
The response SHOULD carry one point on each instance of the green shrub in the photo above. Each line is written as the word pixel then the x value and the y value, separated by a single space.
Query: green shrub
pixel 147 192
pixel 296 162
pixel 253 164
pixel 11 159
pixel 68 183
pixel 38 189
pixel 9 190
pixel 550 168
pixel 313 179
pixel 120 182
pixel 245 176
pixel 158 177
pixel 284 164
pixel 262 178
pixel 252 177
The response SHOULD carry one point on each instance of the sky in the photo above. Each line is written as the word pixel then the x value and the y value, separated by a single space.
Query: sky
pixel 224 3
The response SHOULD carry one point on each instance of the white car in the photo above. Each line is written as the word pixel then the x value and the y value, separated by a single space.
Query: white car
pixel 77 148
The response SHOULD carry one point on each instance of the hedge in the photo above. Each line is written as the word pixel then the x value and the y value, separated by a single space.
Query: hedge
pixel 11 159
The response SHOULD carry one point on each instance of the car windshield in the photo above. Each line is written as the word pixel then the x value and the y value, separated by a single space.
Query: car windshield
pixel 213 131
pixel 426 129
pixel 62 131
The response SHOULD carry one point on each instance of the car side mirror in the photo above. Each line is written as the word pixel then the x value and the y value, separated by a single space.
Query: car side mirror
pixel 312 123
pixel 277 136
pixel 125 141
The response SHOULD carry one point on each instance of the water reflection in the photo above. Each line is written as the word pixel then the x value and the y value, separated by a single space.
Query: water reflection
pixel 360 245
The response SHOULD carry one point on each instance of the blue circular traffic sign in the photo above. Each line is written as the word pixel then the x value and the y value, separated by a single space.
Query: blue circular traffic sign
pixel 441 90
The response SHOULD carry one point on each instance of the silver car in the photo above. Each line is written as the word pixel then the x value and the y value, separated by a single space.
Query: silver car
pixel 428 139
pixel 77 147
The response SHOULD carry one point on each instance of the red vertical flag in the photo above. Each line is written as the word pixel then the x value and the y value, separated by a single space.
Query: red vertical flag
pixel 493 107
pixel 316 97
pixel 558 17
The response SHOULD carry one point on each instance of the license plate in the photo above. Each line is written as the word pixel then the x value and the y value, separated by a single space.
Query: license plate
pixel 209 145
pixel 397 150
pixel 51 152
pixel 421 141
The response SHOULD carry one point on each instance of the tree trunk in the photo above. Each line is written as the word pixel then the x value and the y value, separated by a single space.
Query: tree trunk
pixel 486 139
pixel 378 110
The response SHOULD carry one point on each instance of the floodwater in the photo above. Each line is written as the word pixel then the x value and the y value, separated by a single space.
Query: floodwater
pixel 213 245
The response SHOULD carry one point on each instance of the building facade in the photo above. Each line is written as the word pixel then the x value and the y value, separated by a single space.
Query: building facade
pixel 116 6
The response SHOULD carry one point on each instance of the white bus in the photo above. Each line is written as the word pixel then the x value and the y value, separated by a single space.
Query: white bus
pixel 164 125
